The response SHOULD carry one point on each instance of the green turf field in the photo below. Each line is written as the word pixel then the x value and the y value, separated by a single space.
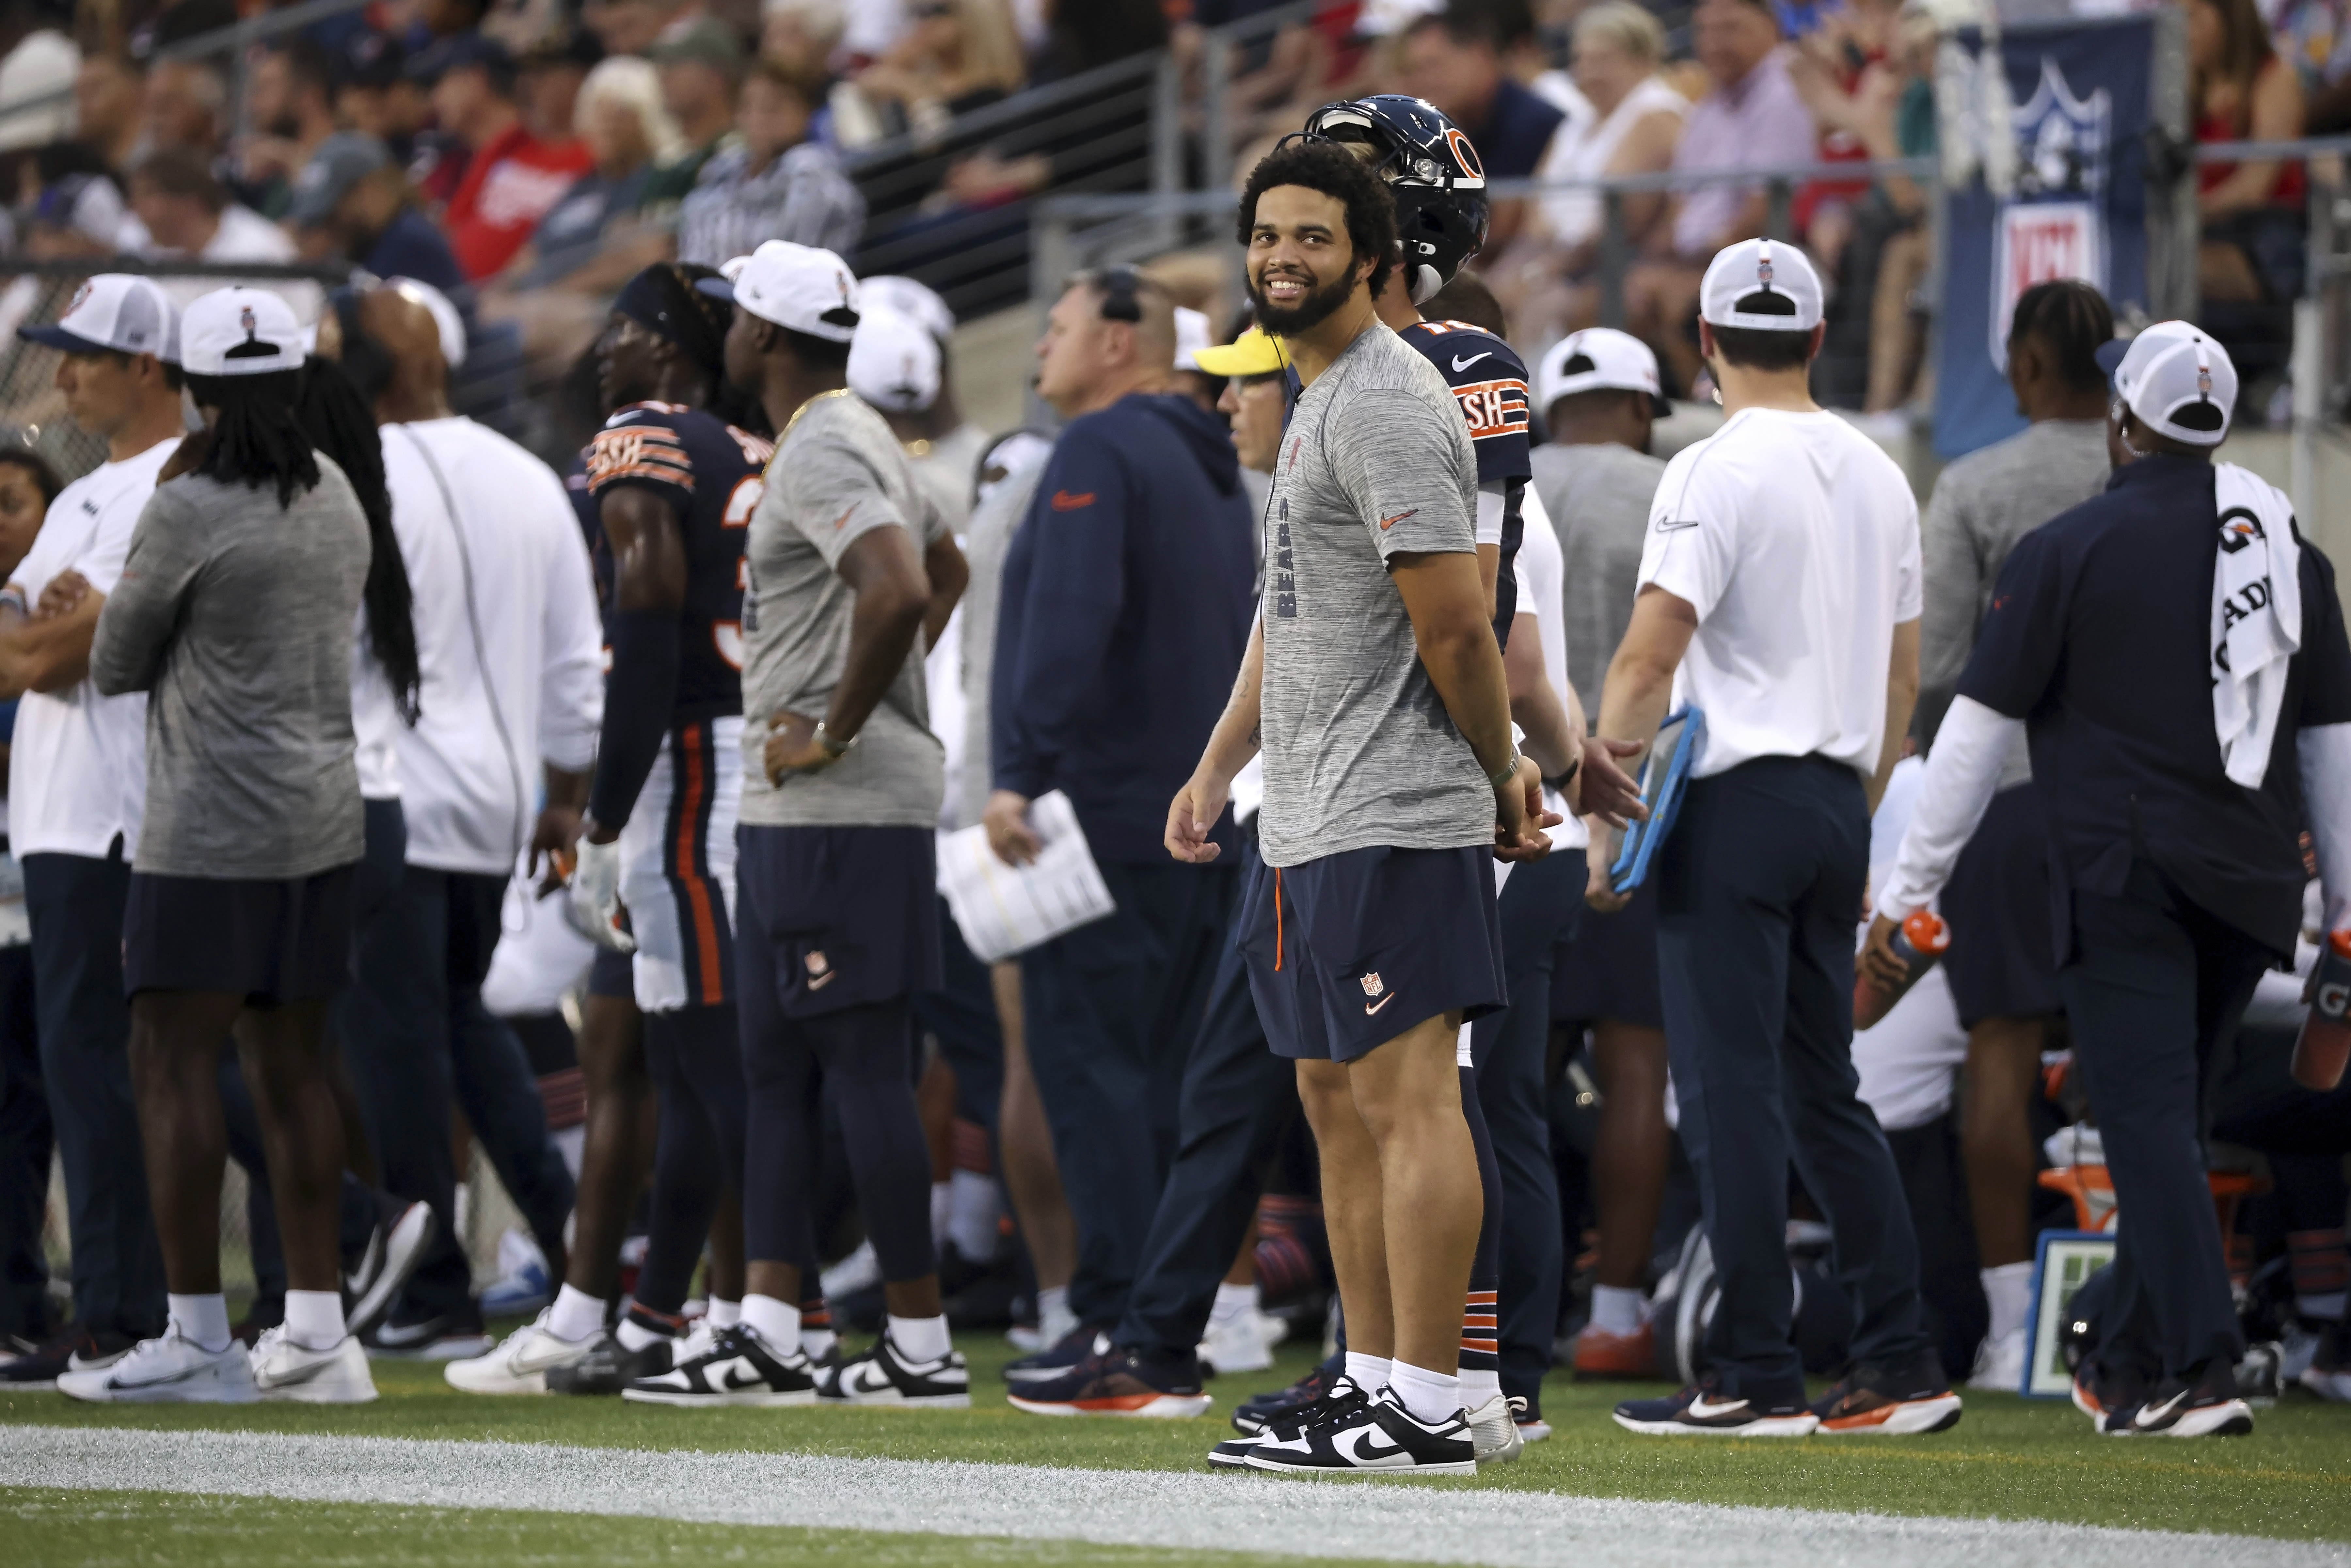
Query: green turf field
pixel 2007 1460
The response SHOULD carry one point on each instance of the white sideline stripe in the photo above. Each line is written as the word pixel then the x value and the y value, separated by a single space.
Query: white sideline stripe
pixel 1162 1509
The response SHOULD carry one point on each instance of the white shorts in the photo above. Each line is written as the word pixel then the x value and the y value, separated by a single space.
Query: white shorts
pixel 677 868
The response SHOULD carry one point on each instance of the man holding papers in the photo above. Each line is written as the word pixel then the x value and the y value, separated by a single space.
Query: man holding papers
pixel 1779 594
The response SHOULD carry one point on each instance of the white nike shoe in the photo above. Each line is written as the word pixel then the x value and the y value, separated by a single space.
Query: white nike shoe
pixel 1242 1342
pixel 521 1361
pixel 172 1370
pixel 1494 1430
pixel 2000 1363
pixel 285 1370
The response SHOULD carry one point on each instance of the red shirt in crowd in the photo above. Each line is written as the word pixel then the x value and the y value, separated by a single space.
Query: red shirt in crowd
pixel 509 186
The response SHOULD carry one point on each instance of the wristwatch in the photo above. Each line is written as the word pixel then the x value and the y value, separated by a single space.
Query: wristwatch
pixel 1501 776
pixel 830 747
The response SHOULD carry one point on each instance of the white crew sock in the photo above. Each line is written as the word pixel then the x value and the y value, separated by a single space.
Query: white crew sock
pixel 1054 1321
pixel 1618 1311
pixel 1235 1303
pixel 2008 1289
pixel 724 1314
pixel 817 1344
pixel 575 1316
pixel 1479 1384
pixel 634 1335
pixel 920 1339
pixel 942 1209
pixel 974 1218
pixel 1368 1372
pixel 1431 1396
pixel 202 1320
pixel 777 1323
pixel 314 1319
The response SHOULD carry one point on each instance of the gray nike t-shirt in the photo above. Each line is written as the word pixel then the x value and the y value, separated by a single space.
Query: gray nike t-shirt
pixel 1359 751
pixel 837 474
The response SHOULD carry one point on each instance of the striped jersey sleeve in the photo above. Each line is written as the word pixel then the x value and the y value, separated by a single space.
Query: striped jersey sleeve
pixel 1490 383
pixel 641 444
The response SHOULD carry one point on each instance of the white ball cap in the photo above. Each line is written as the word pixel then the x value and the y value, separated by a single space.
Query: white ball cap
pixel 893 362
pixel 2177 381
pixel 239 332
pixel 116 310
pixel 1599 359
pixel 797 286
pixel 907 298
pixel 1769 267
pixel 1191 336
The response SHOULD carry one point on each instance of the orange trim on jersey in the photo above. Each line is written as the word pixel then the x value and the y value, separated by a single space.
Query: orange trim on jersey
pixel 1493 408
pixel 698 890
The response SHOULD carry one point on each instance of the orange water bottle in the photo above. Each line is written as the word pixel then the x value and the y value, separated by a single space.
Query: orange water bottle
pixel 1919 942
pixel 2324 1043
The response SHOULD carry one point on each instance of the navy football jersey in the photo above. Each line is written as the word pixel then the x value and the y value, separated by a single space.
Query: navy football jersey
pixel 1490 381
pixel 709 472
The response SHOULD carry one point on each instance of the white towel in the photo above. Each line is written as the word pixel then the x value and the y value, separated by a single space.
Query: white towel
pixel 2256 618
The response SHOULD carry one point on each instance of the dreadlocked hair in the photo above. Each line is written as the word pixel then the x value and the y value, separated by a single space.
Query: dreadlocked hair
pixel 337 420
pixel 255 437
pixel 736 407
pixel 2071 320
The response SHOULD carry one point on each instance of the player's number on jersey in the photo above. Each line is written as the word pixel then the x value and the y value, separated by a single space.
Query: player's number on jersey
pixel 726 636
pixel 744 501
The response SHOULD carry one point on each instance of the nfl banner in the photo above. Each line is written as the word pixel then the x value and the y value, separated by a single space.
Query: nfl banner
pixel 2056 188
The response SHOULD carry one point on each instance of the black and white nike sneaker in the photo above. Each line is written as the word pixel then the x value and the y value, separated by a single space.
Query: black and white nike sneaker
pixel 2205 1404
pixel 395 1246
pixel 608 1368
pixel 739 1368
pixel 1704 1410
pixel 883 1375
pixel 1340 1396
pixel 1380 1438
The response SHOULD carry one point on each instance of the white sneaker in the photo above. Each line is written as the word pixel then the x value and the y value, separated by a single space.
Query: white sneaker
pixel 1494 1432
pixel 172 1370
pixel 520 1363
pixel 2000 1363
pixel 1237 1343
pixel 285 1370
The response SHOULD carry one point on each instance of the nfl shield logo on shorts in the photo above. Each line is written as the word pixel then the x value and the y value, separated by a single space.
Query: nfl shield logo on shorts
pixel 1372 984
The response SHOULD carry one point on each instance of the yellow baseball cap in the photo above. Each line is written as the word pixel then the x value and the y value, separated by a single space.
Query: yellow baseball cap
pixel 1250 354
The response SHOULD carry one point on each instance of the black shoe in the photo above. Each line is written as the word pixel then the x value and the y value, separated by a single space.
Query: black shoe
pixel 69 1349
pixel 739 1368
pixel 1380 1438
pixel 2104 1392
pixel 446 1336
pixel 1117 1382
pixel 1055 1360
pixel 883 1375
pixel 1259 1410
pixel 394 1248
pixel 2203 1405
pixel 1340 1397
pixel 608 1369
pixel 1704 1408
pixel 1895 1401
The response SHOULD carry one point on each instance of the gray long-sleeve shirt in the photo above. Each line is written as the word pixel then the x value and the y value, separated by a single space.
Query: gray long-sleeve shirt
pixel 236 617
pixel 1982 505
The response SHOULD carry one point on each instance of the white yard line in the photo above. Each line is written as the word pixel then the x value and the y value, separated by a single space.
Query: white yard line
pixel 1132 1507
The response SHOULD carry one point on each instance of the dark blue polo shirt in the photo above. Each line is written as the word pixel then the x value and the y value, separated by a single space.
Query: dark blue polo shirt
pixel 2097 637
pixel 1517 129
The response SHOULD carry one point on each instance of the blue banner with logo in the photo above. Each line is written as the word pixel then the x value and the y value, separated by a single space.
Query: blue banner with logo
pixel 2060 189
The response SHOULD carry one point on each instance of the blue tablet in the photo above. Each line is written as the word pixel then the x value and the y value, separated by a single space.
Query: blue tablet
pixel 1664 776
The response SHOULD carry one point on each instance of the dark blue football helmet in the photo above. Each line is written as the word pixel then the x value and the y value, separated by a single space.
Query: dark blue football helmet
pixel 1434 172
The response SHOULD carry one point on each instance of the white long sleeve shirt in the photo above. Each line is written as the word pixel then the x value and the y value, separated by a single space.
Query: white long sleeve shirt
pixel 509 640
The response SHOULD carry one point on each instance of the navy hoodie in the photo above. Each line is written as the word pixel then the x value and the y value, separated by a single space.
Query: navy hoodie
pixel 1127 602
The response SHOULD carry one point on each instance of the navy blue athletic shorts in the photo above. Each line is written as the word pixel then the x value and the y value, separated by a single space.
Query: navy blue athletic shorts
pixel 269 941
pixel 2002 961
pixel 829 918
pixel 1607 964
pixel 611 974
pixel 1349 951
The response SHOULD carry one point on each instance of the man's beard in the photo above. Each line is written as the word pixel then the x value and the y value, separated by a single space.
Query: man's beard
pixel 1310 313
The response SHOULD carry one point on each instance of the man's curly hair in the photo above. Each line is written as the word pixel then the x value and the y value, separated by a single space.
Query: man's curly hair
pixel 1329 168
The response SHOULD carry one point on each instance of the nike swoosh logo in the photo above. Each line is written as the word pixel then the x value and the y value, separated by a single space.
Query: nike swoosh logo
pixel 1387 523
pixel 1065 502
pixel 1701 1410
pixel 1460 365
pixel 1370 1007
pixel 1358 1445
pixel 844 518
pixel 819 982
pixel 2139 1418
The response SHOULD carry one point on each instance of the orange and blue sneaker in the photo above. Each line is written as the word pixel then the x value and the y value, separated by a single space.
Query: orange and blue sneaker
pixel 1895 1401
pixel 1117 1381
pixel 1707 1409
